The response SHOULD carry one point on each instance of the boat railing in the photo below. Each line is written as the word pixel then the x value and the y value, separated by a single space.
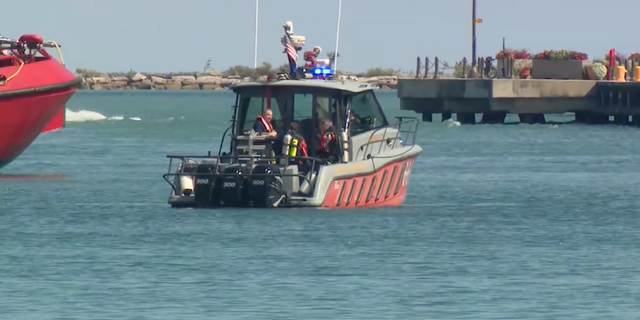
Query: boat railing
pixel 311 164
pixel 406 129
pixel 224 136
pixel 26 47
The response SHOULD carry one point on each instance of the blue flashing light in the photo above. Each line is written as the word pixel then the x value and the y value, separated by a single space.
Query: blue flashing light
pixel 322 71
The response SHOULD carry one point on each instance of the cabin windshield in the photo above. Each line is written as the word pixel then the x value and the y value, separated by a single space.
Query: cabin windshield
pixel 307 106
pixel 366 113
pixel 309 109
pixel 252 105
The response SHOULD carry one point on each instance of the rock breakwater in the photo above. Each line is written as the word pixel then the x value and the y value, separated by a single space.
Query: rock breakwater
pixel 212 80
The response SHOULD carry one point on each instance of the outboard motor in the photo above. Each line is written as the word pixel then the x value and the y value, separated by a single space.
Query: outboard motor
pixel 205 186
pixel 233 190
pixel 266 188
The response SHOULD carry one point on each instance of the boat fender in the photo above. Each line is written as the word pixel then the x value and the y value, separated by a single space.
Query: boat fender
pixel 31 39
pixel 186 185
pixel 345 147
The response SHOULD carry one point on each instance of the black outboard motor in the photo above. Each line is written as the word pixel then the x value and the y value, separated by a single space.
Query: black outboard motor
pixel 205 186
pixel 233 190
pixel 265 188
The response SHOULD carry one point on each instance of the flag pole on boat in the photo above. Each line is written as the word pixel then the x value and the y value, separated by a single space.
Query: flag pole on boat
pixel 255 40
pixel 335 57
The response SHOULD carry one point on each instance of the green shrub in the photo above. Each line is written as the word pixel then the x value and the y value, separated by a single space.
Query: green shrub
pixel 380 72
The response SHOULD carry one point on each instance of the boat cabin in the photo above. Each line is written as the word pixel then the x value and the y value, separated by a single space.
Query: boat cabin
pixel 309 103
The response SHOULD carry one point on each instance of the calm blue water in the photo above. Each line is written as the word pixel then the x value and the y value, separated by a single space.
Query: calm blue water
pixel 501 222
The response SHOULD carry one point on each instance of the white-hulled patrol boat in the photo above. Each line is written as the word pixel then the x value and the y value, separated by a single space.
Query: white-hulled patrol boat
pixel 363 160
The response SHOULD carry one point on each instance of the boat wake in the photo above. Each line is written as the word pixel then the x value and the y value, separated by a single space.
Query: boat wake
pixel 90 116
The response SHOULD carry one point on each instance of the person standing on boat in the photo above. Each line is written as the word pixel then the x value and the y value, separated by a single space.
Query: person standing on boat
pixel 329 146
pixel 311 56
pixel 297 146
pixel 263 123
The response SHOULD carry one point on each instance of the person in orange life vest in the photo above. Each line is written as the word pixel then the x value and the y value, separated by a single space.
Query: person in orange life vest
pixel 263 123
pixel 311 56
pixel 263 126
pixel 329 146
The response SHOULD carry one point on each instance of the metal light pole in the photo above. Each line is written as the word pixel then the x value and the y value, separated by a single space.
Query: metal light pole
pixel 473 33
pixel 255 40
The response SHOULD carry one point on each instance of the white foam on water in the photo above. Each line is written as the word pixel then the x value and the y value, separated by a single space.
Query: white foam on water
pixel 88 116
pixel 450 123
pixel 171 119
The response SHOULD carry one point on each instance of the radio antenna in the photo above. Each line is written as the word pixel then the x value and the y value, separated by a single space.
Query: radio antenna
pixel 335 57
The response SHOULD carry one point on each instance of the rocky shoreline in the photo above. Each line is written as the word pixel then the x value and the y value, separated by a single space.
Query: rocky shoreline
pixel 212 80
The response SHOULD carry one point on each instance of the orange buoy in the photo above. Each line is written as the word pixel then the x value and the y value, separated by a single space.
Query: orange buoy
pixel 621 72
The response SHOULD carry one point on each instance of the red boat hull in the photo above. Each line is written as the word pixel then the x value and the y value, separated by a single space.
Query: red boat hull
pixel 32 102
pixel 387 187
pixel 57 122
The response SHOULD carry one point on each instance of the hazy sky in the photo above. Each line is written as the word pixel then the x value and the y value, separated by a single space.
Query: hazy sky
pixel 164 35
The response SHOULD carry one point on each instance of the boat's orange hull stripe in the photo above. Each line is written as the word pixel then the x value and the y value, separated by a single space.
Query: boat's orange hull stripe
pixel 386 187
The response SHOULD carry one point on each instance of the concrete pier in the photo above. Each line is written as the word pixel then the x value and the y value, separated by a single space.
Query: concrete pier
pixel 592 101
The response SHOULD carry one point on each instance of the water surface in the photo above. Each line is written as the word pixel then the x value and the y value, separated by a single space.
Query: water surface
pixel 501 222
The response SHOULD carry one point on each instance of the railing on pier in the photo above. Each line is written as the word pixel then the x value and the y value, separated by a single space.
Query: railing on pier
pixel 623 69
pixel 630 70
pixel 503 68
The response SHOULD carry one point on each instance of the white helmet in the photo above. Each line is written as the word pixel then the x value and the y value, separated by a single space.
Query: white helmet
pixel 317 48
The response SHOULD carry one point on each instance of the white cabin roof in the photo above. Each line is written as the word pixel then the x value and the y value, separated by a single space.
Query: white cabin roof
pixel 346 85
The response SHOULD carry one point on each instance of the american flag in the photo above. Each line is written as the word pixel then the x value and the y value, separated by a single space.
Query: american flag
pixel 289 49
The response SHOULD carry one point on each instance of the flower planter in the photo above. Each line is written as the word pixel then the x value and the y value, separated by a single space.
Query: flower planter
pixel 518 65
pixel 558 69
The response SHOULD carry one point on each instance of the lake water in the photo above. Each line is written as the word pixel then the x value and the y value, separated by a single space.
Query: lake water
pixel 500 222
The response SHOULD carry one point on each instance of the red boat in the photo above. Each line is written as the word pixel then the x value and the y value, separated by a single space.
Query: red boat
pixel 34 88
